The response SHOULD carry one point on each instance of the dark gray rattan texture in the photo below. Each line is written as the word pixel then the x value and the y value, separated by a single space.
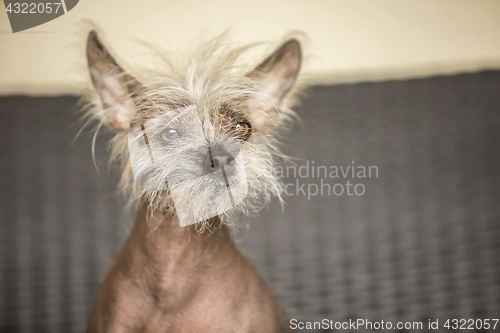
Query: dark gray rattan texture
pixel 422 242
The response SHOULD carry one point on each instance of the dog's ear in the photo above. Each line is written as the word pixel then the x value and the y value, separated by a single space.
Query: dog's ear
pixel 274 78
pixel 114 86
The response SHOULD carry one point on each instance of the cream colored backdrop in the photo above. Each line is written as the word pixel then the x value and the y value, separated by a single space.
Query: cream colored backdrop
pixel 349 40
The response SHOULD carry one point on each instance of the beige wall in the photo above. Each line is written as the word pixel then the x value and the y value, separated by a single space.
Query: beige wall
pixel 349 40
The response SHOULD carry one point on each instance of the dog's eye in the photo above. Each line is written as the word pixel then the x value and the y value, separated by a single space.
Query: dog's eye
pixel 169 135
pixel 243 129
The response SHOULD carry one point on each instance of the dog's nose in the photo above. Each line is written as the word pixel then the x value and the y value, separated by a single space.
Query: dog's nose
pixel 218 159
pixel 221 159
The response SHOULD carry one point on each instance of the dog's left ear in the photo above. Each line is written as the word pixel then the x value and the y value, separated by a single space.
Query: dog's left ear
pixel 114 86
pixel 274 78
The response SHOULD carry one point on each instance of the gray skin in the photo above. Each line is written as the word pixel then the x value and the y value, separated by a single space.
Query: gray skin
pixel 169 278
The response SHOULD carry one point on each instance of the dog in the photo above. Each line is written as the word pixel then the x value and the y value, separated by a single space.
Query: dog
pixel 197 142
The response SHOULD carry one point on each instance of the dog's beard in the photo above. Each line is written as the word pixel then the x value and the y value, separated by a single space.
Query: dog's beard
pixel 202 173
pixel 197 189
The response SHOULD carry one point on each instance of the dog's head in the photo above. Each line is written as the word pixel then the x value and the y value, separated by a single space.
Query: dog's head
pixel 199 137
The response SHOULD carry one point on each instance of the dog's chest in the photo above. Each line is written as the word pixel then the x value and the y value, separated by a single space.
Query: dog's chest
pixel 206 312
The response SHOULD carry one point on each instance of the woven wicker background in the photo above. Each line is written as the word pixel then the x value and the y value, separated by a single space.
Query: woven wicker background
pixel 422 242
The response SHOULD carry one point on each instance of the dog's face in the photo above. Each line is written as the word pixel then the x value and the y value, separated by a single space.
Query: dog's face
pixel 199 138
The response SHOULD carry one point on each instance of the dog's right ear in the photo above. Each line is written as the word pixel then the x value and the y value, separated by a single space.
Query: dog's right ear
pixel 274 78
pixel 114 86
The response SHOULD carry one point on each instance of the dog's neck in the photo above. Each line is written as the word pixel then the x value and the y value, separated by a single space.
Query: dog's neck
pixel 168 256
pixel 169 278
